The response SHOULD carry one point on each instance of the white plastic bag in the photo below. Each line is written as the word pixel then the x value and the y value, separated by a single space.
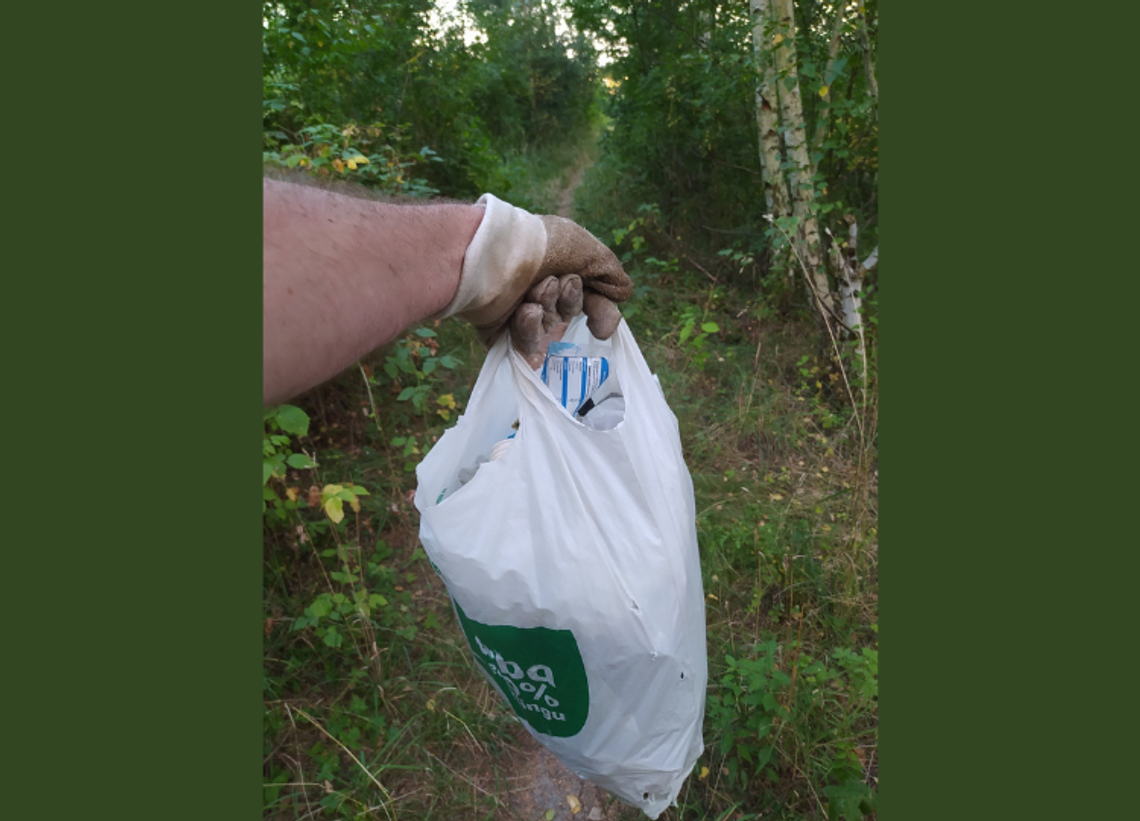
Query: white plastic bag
pixel 572 562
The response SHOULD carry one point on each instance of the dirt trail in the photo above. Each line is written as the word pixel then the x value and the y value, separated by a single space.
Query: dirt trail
pixel 566 198
pixel 540 782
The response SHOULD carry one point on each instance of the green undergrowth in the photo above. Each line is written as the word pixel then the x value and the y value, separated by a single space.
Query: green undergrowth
pixel 373 705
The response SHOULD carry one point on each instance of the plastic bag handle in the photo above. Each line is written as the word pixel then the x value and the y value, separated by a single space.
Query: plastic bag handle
pixel 629 365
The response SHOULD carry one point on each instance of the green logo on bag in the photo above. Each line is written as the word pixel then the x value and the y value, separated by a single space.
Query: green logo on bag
pixel 539 669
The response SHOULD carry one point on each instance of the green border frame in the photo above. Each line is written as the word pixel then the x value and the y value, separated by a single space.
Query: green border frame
pixel 133 150
pixel 1000 590
pixel 133 327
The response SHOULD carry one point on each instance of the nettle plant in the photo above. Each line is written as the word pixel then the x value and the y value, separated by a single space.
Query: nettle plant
pixel 282 423
pixel 779 705
pixel 413 368
pixel 693 337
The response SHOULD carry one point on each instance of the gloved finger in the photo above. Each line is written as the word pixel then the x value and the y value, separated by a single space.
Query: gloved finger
pixel 614 284
pixel 571 249
pixel 526 328
pixel 602 315
pixel 569 297
pixel 544 293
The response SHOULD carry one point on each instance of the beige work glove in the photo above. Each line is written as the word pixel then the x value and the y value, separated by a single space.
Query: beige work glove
pixel 536 273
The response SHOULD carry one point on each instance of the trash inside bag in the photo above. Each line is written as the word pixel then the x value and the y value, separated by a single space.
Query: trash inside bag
pixel 565 532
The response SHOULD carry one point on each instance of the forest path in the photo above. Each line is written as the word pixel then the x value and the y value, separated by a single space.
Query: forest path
pixel 539 784
pixel 543 782
pixel 539 781
pixel 566 197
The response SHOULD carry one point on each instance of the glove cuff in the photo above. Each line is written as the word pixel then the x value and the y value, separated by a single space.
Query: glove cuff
pixel 499 264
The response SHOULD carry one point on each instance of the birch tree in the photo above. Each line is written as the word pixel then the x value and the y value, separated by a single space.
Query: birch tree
pixel 775 185
pixel 800 171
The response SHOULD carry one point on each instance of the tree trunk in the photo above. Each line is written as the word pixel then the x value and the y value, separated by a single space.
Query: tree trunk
pixel 868 66
pixel 775 186
pixel 823 122
pixel 801 172
pixel 851 281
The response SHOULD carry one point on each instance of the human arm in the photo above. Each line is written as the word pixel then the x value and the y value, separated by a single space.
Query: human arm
pixel 343 276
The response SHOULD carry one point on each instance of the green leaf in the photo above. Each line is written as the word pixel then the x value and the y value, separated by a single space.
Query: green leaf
pixel 448 362
pixel 332 638
pixel 320 607
pixel 834 71
pixel 292 420
pixel 376 600
pixel 405 394
pixel 267 471
pixel 710 327
pixel 300 460
pixel 425 333
pixel 334 507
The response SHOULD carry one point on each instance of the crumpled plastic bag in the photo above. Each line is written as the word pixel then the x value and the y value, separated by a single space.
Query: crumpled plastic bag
pixel 572 562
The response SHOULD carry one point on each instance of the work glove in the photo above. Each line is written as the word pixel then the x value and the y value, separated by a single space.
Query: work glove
pixel 533 274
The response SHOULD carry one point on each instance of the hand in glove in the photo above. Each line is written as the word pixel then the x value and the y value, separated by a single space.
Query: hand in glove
pixel 536 273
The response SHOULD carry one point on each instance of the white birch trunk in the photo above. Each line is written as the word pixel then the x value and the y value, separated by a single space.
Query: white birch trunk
pixel 775 186
pixel 849 274
pixel 851 283
pixel 795 141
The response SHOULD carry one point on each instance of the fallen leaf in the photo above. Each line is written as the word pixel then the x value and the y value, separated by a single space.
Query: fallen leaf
pixel 431 705
pixel 704 774
pixel 575 804
pixel 823 92
pixel 595 814
pixel 550 815
pixel 775 497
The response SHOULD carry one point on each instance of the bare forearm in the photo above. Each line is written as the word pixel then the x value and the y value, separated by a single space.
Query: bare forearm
pixel 343 276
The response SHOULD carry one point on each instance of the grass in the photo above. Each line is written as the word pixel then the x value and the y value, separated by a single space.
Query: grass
pixel 386 716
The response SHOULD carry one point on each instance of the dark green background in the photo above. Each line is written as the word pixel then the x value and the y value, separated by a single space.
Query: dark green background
pixel 132 327
pixel 132 399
